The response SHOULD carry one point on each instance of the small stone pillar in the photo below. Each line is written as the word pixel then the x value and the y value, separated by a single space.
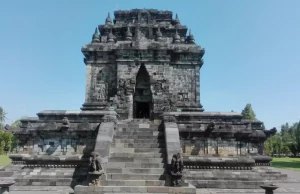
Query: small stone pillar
pixel 130 106
pixel 5 186
pixel 269 188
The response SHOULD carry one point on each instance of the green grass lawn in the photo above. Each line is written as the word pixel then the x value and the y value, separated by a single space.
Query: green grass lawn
pixel 4 160
pixel 287 163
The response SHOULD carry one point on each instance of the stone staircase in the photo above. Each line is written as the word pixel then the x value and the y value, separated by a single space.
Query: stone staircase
pixel 136 162
pixel 43 179
pixel 137 155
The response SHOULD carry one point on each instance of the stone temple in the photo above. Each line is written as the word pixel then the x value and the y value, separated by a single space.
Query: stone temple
pixel 142 128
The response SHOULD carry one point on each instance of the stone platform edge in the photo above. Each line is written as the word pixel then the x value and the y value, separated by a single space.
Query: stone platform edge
pixel 80 189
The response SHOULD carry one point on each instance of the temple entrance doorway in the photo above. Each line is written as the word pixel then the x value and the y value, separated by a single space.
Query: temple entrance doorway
pixel 142 98
pixel 142 109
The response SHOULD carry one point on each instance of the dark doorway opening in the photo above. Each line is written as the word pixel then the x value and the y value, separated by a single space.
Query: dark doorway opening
pixel 142 110
pixel 142 98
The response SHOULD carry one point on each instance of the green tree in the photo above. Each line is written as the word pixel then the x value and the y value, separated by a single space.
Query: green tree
pixel 16 124
pixel 269 145
pixel 5 141
pixel 285 128
pixel 297 137
pixel 248 113
pixel 2 118
pixel 286 142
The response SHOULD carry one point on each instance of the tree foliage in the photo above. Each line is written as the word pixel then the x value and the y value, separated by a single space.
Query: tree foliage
pixel 286 142
pixel 2 118
pixel 16 124
pixel 248 113
pixel 7 140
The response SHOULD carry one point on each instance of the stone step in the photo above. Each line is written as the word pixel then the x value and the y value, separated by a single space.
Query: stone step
pixel 231 175
pixel 137 150
pixel 139 133
pixel 49 175
pixel 130 128
pixel 137 130
pixel 242 178
pixel 130 140
pixel 134 176
pixel 132 183
pixel 138 125
pixel 134 189
pixel 134 165
pixel 41 189
pixel 136 170
pixel 226 184
pixel 138 137
pixel 27 181
pixel 144 150
pixel 6 173
pixel 137 160
pixel 138 145
pixel 137 155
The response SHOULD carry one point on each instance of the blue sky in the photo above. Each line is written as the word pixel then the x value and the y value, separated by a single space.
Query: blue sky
pixel 252 53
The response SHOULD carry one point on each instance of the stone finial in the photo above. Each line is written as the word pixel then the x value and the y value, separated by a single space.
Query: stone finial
pixel 158 34
pixel 128 35
pixel 177 21
pixel 96 37
pixel 110 37
pixel 191 38
pixel 176 38
pixel 108 20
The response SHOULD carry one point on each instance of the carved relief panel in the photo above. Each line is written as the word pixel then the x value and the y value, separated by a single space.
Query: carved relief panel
pixel 100 87
pixel 183 97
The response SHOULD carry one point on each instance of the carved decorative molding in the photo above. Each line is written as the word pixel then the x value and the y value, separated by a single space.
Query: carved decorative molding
pixel 51 126
pixel 85 125
pixel 171 119
pixel 109 118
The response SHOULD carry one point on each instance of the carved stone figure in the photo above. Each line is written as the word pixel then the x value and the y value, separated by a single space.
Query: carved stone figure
pixel 95 165
pixel 66 123
pixel 228 126
pixel 101 91
pixel 176 170
pixel 182 97
pixel 210 127
pixel 122 88
pixel 95 169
